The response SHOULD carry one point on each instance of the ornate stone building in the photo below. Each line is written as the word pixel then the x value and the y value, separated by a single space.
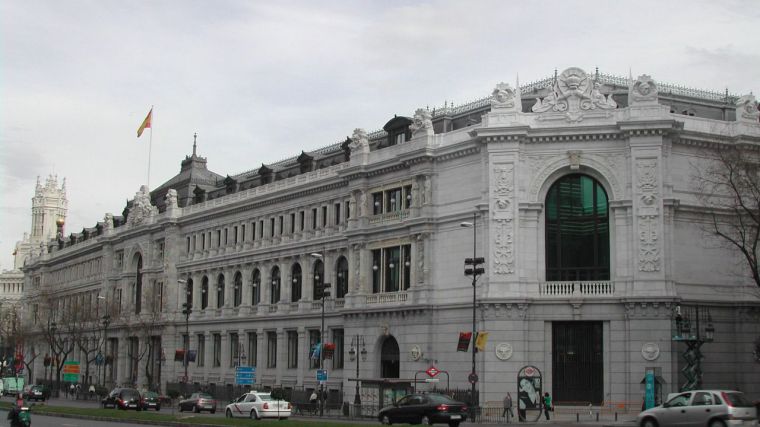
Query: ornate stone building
pixel 592 233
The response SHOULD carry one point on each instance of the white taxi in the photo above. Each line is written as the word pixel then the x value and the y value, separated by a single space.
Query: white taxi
pixel 257 405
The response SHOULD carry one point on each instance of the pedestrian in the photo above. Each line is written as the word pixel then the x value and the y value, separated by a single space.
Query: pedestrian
pixel 92 391
pixel 313 401
pixel 78 390
pixel 547 405
pixel 72 389
pixel 508 407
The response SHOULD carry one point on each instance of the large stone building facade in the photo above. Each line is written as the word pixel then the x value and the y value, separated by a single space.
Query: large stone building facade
pixel 578 191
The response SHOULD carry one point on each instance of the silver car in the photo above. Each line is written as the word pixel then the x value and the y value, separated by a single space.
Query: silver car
pixel 708 408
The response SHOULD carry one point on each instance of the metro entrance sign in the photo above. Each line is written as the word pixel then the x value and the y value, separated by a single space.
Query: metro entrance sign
pixel 432 371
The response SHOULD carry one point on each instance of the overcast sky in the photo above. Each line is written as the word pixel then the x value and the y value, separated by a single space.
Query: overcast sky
pixel 259 81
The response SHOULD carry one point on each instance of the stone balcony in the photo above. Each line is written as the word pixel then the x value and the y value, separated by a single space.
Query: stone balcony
pixel 580 289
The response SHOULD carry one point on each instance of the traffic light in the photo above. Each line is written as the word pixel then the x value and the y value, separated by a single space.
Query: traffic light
pixel 471 266
pixel 187 308
pixel 323 290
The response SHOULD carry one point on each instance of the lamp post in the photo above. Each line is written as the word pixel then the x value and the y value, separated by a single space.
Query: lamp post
pixel 187 308
pixel 694 329
pixel 322 292
pixel 106 319
pixel 472 269
pixel 54 362
pixel 353 353
pixel 240 353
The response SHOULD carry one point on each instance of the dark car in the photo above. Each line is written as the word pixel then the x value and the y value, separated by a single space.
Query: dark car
pixel 123 398
pixel 151 400
pixel 37 392
pixel 198 402
pixel 425 409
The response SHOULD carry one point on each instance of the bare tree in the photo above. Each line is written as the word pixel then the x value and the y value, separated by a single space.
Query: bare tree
pixel 144 330
pixel 729 187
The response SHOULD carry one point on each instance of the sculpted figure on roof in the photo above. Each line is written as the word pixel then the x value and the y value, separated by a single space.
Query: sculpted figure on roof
pixel 503 96
pixel 359 140
pixel 142 209
pixel 746 109
pixel 643 91
pixel 573 92
pixel 422 123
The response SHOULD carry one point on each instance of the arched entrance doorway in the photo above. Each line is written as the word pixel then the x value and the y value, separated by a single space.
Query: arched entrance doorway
pixel 389 358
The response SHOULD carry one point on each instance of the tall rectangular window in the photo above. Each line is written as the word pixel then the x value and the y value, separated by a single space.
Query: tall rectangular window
pixel 242 232
pixel 407 197
pixel 203 241
pixel 324 216
pixel 391 269
pixel 253 231
pixel 226 236
pixel 234 235
pixel 201 356
pixel 271 349
pixel 253 348
pixel 377 203
pixel 337 213
pixel 347 210
pixel 261 229
pixel 292 349
pixel 234 349
pixel 218 238
pixel 271 227
pixel 292 223
pixel 314 219
pixel 338 339
pixel 302 220
pixel 313 341
pixel 188 244
pixel 217 350
pixel 280 225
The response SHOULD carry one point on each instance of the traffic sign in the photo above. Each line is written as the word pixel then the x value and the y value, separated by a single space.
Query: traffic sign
pixel 432 371
pixel 71 371
pixel 245 375
pixel 321 375
pixel 473 378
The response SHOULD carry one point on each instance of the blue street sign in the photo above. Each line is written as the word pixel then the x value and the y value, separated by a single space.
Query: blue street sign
pixel 649 390
pixel 245 375
pixel 321 375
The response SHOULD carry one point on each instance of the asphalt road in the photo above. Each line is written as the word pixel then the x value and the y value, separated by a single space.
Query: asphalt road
pixel 46 421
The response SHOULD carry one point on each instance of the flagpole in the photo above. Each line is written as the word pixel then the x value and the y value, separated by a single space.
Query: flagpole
pixel 150 144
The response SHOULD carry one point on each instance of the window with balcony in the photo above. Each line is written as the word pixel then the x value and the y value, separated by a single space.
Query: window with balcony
pixel 577 230
pixel 391 269
pixel 392 200
pixel 341 287
pixel 204 292
pixel 295 289
pixel 255 287
pixel 237 297
pixel 275 290
pixel 220 291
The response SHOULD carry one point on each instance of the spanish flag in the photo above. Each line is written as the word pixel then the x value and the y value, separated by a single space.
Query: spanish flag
pixel 481 340
pixel 146 123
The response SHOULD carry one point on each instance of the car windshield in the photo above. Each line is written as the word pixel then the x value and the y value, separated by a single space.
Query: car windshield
pixel 151 395
pixel 129 394
pixel 737 400
pixel 204 396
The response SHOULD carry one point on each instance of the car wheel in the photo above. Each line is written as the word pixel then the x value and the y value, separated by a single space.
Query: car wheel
pixel 158 408
pixel 425 421
pixel 213 411
pixel 649 422
pixel 385 420
pixel 454 424
pixel 254 415
pixel 196 409
pixel 228 414
pixel 717 423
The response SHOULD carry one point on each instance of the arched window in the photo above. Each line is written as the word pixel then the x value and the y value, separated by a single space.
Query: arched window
pixel 577 230
pixel 204 292
pixel 275 294
pixel 319 277
pixel 237 298
pixel 189 292
pixel 138 283
pixel 220 291
pixel 389 358
pixel 295 288
pixel 342 286
pixel 256 287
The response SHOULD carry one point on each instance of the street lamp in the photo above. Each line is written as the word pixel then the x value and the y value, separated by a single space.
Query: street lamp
pixel 241 354
pixel 472 269
pixel 187 308
pixel 106 320
pixel 353 353
pixel 694 329
pixel 322 292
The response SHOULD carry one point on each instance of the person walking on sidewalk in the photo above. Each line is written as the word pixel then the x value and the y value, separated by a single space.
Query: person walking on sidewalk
pixel 508 407
pixel 547 405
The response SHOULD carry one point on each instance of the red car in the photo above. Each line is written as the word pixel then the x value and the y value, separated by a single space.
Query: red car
pixel 123 398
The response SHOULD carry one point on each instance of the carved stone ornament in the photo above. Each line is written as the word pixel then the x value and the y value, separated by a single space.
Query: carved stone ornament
pixel 648 215
pixel 503 219
pixel 504 98
pixel 422 123
pixel 415 353
pixel 141 210
pixel 108 222
pixel 572 94
pixel 574 157
pixel 643 91
pixel 650 351
pixel 503 351
pixel 171 199
pixel 359 141
pixel 746 109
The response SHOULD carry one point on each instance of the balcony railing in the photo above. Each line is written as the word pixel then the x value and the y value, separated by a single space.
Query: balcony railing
pixel 577 288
